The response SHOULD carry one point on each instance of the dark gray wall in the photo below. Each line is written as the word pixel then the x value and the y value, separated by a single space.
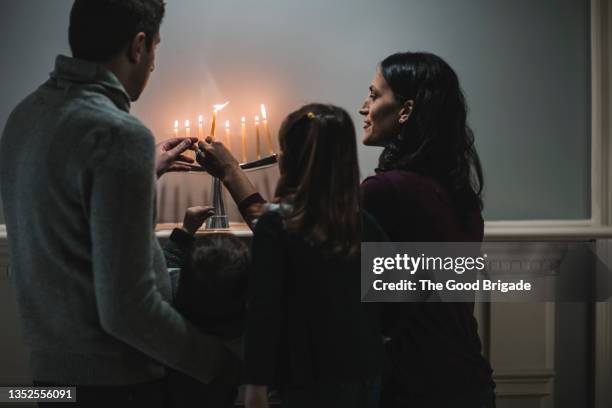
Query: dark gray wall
pixel 524 66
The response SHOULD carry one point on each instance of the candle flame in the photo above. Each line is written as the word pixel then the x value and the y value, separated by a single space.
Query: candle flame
pixel 176 124
pixel 256 119
pixel 200 120
pixel 263 112
pixel 220 107
pixel 227 124
pixel 243 120
pixel 187 123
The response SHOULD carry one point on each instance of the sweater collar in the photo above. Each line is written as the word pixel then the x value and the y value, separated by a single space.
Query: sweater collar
pixel 73 70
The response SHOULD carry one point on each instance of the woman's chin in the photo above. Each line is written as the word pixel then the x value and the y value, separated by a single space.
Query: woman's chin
pixel 368 140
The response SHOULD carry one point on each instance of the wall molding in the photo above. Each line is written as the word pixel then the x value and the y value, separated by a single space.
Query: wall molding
pixel 524 383
pixel 601 182
pixel 524 230
pixel 546 230
pixel 601 92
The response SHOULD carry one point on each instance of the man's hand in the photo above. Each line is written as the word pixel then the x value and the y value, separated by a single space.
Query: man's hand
pixel 195 217
pixel 169 155
pixel 216 158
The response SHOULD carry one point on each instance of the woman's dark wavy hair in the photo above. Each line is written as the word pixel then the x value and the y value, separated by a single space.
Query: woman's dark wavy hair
pixel 320 178
pixel 436 140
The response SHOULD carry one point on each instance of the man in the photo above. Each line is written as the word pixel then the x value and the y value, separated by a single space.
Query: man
pixel 78 186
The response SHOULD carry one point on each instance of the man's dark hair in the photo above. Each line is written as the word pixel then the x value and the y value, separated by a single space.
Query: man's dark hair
pixel 100 29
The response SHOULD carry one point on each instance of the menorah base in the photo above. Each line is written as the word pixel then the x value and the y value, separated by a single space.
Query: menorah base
pixel 217 222
pixel 220 220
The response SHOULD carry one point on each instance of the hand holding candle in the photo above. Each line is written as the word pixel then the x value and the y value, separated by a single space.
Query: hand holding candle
pixel 227 142
pixel 216 108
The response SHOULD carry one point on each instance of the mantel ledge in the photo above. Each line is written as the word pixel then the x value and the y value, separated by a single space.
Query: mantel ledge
pixel 536 230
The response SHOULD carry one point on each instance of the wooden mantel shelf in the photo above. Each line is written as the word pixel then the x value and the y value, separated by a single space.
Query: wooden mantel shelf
pixel 239 229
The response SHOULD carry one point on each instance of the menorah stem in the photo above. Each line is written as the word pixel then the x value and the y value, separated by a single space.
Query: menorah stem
pixel 219 220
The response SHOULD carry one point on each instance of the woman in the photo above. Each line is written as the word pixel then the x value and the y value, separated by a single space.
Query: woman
pixel 307 332
pixel 427 188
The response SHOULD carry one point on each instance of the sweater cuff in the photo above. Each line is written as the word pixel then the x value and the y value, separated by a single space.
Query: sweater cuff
pixel 244 205
pixel 182 238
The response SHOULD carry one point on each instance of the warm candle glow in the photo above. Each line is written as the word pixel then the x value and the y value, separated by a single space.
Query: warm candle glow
pixel 228 136
pixel 244 142
pixel 221 106
pixel 216 108
pixel 257 143
pixel 200 127
pixel 264 115
pixel 187 131
pixel 176 128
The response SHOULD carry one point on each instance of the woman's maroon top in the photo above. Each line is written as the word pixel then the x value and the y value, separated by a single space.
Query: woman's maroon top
pixel 434 347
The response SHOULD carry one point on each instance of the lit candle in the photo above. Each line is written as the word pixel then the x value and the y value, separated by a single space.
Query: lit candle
pixel 257 144
pixel 227 135
pixel 200 127
pixel 213 124
pixel 176 128
pixel 187 130
pixel 216 109
pixel 264 116
pixel 244 144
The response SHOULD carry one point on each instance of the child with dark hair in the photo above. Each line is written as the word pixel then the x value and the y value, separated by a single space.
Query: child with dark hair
pixel 209 280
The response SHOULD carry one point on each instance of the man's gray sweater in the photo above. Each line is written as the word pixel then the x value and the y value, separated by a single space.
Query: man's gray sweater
pixel 78 190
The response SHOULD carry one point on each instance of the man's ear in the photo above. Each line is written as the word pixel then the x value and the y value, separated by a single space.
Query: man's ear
pixel 406 111
pixel 137 48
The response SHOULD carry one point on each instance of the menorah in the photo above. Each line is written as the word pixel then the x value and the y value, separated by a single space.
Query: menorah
pixel 220 220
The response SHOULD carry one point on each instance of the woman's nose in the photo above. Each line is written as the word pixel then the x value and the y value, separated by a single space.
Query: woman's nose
pixel 364 108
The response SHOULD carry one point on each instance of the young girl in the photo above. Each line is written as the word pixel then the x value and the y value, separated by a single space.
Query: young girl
pixel 308 334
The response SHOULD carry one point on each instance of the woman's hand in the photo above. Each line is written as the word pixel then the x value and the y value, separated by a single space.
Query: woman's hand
pixel 216 159
pixel 169 155
pixel 256 396
pixel 195 217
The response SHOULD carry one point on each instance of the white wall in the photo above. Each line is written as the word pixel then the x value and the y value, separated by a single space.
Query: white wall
pixel 524 66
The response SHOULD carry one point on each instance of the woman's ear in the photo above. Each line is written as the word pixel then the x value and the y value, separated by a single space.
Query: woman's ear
pixel 406 111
